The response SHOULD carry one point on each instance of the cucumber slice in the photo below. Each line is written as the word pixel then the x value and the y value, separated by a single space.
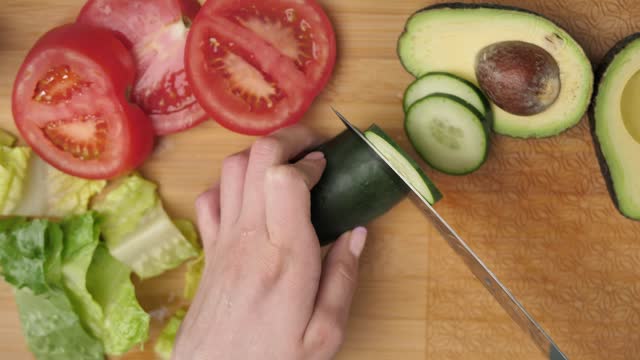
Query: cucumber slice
pixel 448 133
pixel 440 82
pixel 357 185
pixel 402 162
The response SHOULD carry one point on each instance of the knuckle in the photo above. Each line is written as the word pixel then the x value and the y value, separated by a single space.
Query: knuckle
pixel 285 175
pixel 234 161
pixel 271 266
pixel 267 146
pixel 203 200
pixel 328 334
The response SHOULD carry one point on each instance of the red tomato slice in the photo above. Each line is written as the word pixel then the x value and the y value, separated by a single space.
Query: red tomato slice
pixel 256 65
pixel 69 103
pixel 157 34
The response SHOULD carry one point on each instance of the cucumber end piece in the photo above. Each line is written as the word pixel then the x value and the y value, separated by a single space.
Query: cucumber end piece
pixel 404 164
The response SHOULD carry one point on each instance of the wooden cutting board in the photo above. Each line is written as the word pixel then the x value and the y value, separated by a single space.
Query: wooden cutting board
pixel 538 212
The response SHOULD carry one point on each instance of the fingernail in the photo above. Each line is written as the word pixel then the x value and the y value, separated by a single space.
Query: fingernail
pixel 358 238
pixel 316 155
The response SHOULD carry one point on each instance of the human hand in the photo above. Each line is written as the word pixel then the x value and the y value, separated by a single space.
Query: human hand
pixel 265 291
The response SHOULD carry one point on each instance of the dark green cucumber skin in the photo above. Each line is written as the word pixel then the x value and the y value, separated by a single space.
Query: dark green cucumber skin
pixel 459 5
pixel 486 122
pixel 600 72
pixel 356 187
pixel 437 195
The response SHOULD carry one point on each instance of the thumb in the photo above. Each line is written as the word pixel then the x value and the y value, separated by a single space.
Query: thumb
pixel 325 332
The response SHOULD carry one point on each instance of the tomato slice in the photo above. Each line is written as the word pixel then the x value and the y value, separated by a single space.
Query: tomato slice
pixel 70 105
pixel 156 32
pixel 257 65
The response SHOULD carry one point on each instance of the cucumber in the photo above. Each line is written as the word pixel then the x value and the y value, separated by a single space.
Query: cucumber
pixel 357 186
pixel 448 133
pixel 402 162
pixel 439 82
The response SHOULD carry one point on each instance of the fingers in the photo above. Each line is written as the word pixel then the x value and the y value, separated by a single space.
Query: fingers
pixel 208 216
pixel 276 149
pixel 234 169
pixel 288 203
pixel 325 331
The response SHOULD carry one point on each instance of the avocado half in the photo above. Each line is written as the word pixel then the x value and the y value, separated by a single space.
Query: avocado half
pixel 615 123
pixel 448 37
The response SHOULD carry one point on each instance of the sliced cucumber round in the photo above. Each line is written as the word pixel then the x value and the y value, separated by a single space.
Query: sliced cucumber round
pixel 448 133
pixel 403 163
pixel 439 82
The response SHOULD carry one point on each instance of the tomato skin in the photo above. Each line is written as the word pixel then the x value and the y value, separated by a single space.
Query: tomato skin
pixel 259 33
pixel 155 31
pixel 96 55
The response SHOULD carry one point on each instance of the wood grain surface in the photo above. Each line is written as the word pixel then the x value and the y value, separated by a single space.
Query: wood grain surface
pixel 538 212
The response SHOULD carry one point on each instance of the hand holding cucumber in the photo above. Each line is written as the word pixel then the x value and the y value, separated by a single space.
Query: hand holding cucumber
pixel 265 293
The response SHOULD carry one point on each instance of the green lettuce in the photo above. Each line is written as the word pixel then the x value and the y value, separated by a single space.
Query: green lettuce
pixel 6 139
pixel 31 255
pixel 81 237
pixel 52 329
pixel 13 172
pixel 67 265
pixel 100 288
pixel 48 192
pixel 195 266
pixel 167 338
pixel 125 322
pixel 192 276
pixel 139 232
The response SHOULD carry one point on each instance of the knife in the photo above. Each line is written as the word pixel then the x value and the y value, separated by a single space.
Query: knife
pixel 497 289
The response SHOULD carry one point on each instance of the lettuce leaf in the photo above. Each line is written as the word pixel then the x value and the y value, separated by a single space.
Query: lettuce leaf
pixel 6 139
pixel 138 231
pixel 195 266
pixel 13 172
pixel 30 253
pixel 167 338
pixel 81 237
pixel 71 275
pixel 52 329
pixel 125 322
pixel 192 276
pixel 100 288
pixel 51 193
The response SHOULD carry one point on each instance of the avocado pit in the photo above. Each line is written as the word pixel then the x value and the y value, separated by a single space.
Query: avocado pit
pixel 519 77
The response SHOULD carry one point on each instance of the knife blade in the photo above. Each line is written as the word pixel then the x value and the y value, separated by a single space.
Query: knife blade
pixel 495 287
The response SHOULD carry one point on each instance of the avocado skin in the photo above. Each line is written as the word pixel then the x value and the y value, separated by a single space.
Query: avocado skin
pixel 599 74
pixel 459 5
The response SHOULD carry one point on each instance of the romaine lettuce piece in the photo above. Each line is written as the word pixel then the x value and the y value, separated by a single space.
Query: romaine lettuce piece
pixel 31 259
pixel 50 258
pixel 81 237
pixel 192 276
pixel 195 266
pixel 167 338
pixel 30 253
pixel 52 329
pixel 100 288
pixel 139 232
pixel 13 172
pixel 52 193
pixel 6 139
pixel 125 322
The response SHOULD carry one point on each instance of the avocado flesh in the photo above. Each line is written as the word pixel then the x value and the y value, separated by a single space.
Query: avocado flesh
pixel 616 125
pixel 449 37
